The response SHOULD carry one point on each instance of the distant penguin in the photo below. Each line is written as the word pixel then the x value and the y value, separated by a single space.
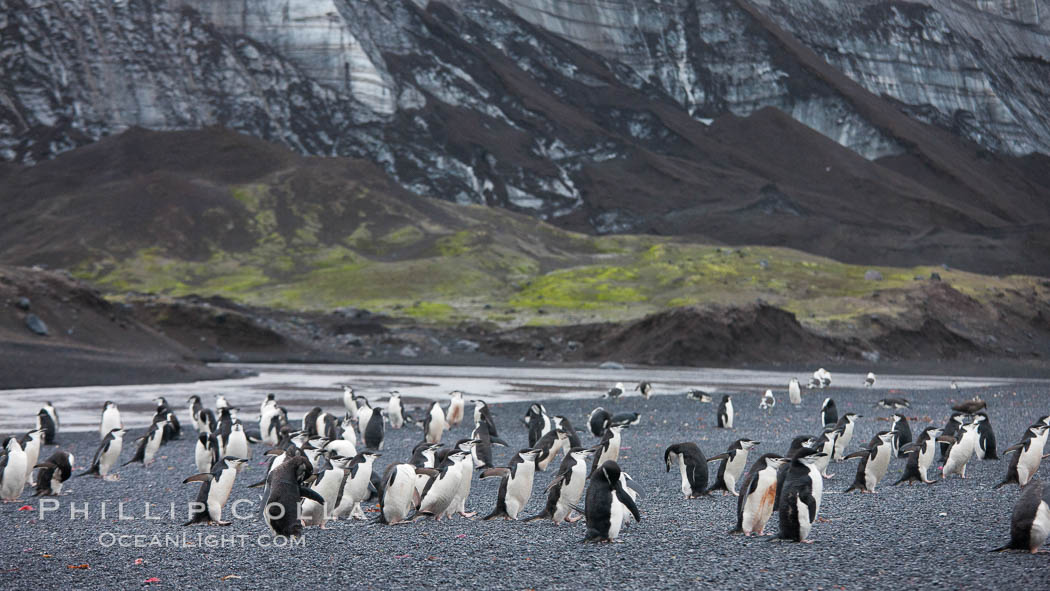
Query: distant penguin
pixel 605 502
pixel 566 487
pixel 692 466
pixel 599 421
pixel 195 408
pixel 515 486
pixel 960 452
pixel 363 413
pixel 800 499
pixel 348 432
pixel 434 423
pixel 795 392
pixel 148 445
pixel 699 396
pixel 310 421
pixel 214 491
pixel 482 451
pixel 164 412
pixel 986 437
pixel 31 443
pixel 625 419
pixel 950 430
pixel 645 388
pixel 395 411
pixel 538 423
pixel 970 406
pixel 482 412
pixel 1030 520
pixel 13 469
pixel 920 455
pixel 1027 456
pixel 395 498
pixel 894 403
pixel 454 416
pixel 758 490
pixel 374 431
pixel 50 409
pixel 608 448
pixel 349 403
pixel 237 442
pixel 47 426
pixel 829 415
pixel 206 452
pixel 869 380
pixel 615 392
pixel 903 431
pixel 845 426
pixel 53 472
pixel 549 446
pixel 827 442
pixel 110 419
pixel 286 489
pixel 563 423
pixel 107 455
pixel 874 461
pixel 734 460
pixel 725 412
pixel 768 401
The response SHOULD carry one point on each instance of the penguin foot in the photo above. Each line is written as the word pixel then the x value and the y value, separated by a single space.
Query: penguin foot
pixel 571 520
pixel 805 541
pixel 223 523
pixel 469 515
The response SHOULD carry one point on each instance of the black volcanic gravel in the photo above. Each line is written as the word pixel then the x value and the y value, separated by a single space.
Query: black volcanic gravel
pixel 905 537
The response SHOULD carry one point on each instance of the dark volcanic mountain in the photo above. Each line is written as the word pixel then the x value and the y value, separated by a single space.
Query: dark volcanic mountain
pixel 870 131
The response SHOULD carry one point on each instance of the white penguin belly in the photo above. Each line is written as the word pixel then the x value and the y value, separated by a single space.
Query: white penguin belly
pixel 729 415
pixel 616 515
pixel 1040 527
pixel 877 467
pixel 758 507
pixel 817 488
pixel 687 489
pixel 734 469
pixel 1028 463
pixel 397 500
pixel 110 457
pixel 442 492
pixel 110 421
pixel 805 522
pixel 219 493
pixel 14 477
pixel 520 489
pixel 152 445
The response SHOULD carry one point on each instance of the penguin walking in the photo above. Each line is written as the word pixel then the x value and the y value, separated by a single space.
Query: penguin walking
pixel 195 406
pixel 49 438
pixel 434 424
pixel 374 430
pixel 1030 519
pixel 549 446
pixel 903 431
pixel 894 403
pixel 214 491
pixel 482 412
pixel 874 461
pixel 237 442
pixel 441 490
pixel 829 415
pixel 692 466
pixel 734 460
pixel 608 448
pixel 845 427
pixel 869 380
pixel 110 419
pixel 363 413
pixel 985 437
pixel 482 451
pixel 960 452
pixel 563 423
pixel 395 411
pixel 920 456
pixel 148 445
pixel 286 489
pixel 164 413
pixel 53 473
pixel 395 496
pixel 645 388
pixel 768 401
pixel 355 486
pixel 798 445
pixel 466 473
pixel 454 416
pixel 515 486
pixel 31 443
pixel 795 392
pixel 754 506
pixel 327 484
pixel 106 455
pixel 801 496
pixel 46 424
pixel 605 504
pixel 598 421
pixel 1027 456
pixel 566 488
pixel 538 422
pixel 725 412
pixel 206 452
pixel 13 468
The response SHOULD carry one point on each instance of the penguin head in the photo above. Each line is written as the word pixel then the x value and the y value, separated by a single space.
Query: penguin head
pixel 467 444
pixel 748 443
pixel 459 456
pixel 369 455
pixel 11 444
pixel 194 398
pixel 887 436
pixel 776 461
pixel 608 472
pixel 234 462
pixel 809 456
pixel 582 454
pixel 528 454
pixel 456 395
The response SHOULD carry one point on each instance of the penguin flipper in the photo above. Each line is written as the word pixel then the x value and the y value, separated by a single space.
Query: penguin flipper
pixel 626 499
pixel 205 477
pixel 309 493
pixel 718 457
pixel 541 516
pixel 861 453
pixel 495 473
pixel 497 441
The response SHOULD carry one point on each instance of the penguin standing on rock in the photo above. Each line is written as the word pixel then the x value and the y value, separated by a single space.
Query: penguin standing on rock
pixel 768 401
pixel 455 409
pixel 795 392
pixel 608 448
pixel 515 486
pixel 1027 456
pixel 566 488
pixel 732 467
pixel 563 423
pixel 110 419
pixel 829 415
pixel 874 461
pixel 434 424
pixel 13 467
pixel 1030 520
pixel 903 430
pixel 549 446
pixel 538 422
pixel 395 411
pixel 692 465
pixel 107 455
pixel 287 488
pixel 54 471
pixel 46 424
pixel 798 445
pixel 206 452
pixel 214 491
pixel 395 497
pixel 645 388
pixel 606 500
pixel 845 427
pixel 148 445
pixel 374 430
pixel 951 429
pixel 754 506
pixel 800 499
pixel 920 456
pixel 985 437
pixel 960 452
pixel 725 412
pixel 482 412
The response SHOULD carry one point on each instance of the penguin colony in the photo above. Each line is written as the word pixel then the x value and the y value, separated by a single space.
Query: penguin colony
pixel 323 467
